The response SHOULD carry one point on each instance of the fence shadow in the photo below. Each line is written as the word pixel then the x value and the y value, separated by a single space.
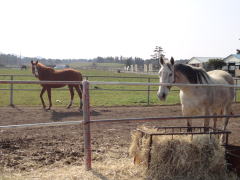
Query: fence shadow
pixel 58 116
pixel 99 175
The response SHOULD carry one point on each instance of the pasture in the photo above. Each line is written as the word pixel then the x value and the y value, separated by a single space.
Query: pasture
pixel 101 95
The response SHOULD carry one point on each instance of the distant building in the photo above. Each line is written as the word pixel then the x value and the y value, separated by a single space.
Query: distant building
pixel 182 61
pixel 61 66
pixel 233 58
pixel 201 61
pixel 233 64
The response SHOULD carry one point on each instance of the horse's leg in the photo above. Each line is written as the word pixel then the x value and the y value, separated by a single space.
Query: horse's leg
pixel 49 98
pixel 206 121
pixel 227 111
pixel 72 95
pixel 41 97
pixel 185 112
pixel 215 121
pixel 79 91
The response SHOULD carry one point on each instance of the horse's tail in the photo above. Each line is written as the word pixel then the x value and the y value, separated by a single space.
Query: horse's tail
pixel 81 79
pixel 229 78
pixel 81 88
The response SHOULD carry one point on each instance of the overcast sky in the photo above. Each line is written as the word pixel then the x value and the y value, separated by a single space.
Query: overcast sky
pixel 91 28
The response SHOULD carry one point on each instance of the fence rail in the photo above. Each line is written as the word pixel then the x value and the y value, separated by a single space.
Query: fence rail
pixel 148 90
pixel 118 83
pixel 42 124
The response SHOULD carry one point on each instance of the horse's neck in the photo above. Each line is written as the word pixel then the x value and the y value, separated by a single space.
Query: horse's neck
pixel 192 90
pixel 44 73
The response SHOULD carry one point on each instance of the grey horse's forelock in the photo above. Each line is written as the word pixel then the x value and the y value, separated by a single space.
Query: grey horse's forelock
pixel 194 75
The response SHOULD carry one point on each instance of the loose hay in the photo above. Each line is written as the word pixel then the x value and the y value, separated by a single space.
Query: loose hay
pixel 183 157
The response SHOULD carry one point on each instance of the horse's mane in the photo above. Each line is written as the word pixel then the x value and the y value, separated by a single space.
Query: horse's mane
pixel 194 75
pixel 43 67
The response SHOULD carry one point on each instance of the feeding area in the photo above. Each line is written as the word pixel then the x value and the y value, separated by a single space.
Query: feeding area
pixel 172 153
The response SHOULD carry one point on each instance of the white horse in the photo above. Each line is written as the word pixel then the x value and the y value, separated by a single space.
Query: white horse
pixel 198 100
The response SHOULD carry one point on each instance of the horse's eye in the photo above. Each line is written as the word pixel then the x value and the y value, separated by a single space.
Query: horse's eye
pixel 170 74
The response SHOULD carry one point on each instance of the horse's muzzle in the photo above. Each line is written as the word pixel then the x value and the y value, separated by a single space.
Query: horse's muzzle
pixel 161 96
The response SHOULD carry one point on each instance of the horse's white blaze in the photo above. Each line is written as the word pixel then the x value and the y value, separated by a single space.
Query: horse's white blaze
pixel 36 71
pixel 166 75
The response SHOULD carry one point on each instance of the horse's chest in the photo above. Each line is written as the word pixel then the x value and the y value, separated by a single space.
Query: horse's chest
pixel 195 99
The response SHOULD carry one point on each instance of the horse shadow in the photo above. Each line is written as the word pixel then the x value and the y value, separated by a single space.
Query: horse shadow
pixel 99 175
pixel 58 116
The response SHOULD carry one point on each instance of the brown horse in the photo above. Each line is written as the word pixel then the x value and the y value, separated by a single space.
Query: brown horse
pixel 45 73
pixel 24 67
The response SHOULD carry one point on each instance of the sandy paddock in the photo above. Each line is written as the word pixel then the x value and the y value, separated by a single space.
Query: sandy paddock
pixel 29 149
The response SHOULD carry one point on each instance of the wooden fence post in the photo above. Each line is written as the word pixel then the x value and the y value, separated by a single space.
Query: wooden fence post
pixel 86 127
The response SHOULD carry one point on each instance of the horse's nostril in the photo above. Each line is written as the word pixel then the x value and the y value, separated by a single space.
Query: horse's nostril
pixel 164 95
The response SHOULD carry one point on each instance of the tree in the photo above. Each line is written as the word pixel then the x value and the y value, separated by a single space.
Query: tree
pixel 238 51
pixel 158 53
pixel 216 63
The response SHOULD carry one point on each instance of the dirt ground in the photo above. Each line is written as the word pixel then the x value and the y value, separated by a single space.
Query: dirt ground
pixel 26 149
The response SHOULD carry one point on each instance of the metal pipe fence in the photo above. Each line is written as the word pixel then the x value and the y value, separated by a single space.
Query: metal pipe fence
pixel 11 89
pixel 148 90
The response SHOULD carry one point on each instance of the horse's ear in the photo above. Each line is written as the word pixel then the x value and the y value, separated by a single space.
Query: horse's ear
pixel 172 61
pixel 161 60
pixel 31 61
pixel 36 62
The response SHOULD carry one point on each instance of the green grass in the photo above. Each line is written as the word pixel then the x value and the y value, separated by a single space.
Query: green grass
pixel 98 96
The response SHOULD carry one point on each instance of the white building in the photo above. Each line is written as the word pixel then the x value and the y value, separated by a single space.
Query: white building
pixel 200 61
pixel 233 58
pixel 233 64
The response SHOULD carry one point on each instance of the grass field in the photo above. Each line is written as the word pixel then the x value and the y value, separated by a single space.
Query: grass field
pixel 98 96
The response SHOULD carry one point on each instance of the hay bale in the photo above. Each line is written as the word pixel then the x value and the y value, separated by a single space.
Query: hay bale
pixel 200 158
pixel 139 148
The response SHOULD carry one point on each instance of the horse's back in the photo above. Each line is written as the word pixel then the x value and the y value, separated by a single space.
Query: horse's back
pixel 60 75
pixel 214 98
pixel 223 93
pixel 67 75
pixel 221 77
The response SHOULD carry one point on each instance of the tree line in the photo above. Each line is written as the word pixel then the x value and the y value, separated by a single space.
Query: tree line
pixel 14 60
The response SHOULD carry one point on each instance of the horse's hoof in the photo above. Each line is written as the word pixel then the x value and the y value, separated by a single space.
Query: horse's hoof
pixel 206 129
pixel 48 109
pixel 189 129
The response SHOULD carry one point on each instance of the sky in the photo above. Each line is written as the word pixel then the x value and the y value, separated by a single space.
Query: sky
pixel 131 28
